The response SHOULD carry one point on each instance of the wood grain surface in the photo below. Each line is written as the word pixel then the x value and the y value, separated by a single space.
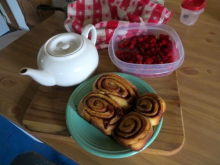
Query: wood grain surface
pixel 46 113
pixel 198 80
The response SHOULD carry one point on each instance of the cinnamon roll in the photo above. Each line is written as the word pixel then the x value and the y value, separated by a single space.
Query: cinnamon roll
pixel 101 111
pixel 134 131
pixel 118 88
pixel 152 106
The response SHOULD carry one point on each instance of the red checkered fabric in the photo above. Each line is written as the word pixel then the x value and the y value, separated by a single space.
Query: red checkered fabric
pixel 106 15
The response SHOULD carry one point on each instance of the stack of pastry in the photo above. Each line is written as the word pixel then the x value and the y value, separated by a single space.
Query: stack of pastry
pixel 117 88
pixel 116 108
pixel 101 111
pixel 133 131
pixel 152 106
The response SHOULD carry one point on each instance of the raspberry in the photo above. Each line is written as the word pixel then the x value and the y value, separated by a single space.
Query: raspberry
pixel 164 41
pixel 118 52
pixel 149 61
pixel 120 45
pixel 148 52
pixel 158 49
pixel 146 49
pixel 146 45
pixel 161 36
pixel 153 40
pixel 152 49
pixel 126 42
pixel 139 62
pixel 131 47
pixel 170 58
pixel 139 57
pixel 152 45
pixel 160 44
pixel 166 37
pixel 146 38
pixel 169 43
pixel 140 39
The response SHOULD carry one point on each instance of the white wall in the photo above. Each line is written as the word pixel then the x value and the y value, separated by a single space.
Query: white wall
pixel 15 9
pixel 7 39
pixel 3 26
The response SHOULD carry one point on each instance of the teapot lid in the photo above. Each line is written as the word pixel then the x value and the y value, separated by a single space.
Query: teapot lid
pixel 63 44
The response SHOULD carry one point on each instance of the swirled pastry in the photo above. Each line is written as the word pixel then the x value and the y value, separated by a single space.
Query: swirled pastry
pixel 101 111
pixel 152 106
pixel 118 88
pixel 134 131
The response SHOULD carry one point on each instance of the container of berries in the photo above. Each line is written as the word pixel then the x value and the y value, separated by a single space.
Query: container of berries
pixel 146 50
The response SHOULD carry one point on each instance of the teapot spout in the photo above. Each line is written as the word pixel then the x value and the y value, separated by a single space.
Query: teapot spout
pixel 42 77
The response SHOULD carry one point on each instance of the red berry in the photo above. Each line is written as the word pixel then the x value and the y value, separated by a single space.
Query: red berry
pixel 131 47
pixel 170 53
pixel 139 45
pixel 152 49
pixel 148 52
pixel 152 45
pixel 154 53
pixel 170 59
pixel 164 58
pixel 154 58
pixel 158 49
pixel 169 43
pixel 164 41
pixel 149 61
pixel 136 52
pixel 161 36
pixel 121 57
pixel 139 62
pixel 158 59
pixel 120 45
pixel 153 40
pixel 134 58
pixel 142 50
pixel 140 39
pixel 130 61
pixel 167 37
pixel 118 52
pixel 146 38
pixel 133 40
pixel 126 42
pixel 146 45
pixel 139 57
pixel 160 44
pixel 166 50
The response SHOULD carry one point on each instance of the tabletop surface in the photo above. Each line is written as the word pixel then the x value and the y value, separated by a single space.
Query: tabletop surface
pixel 198 80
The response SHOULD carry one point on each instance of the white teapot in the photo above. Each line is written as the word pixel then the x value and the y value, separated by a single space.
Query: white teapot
pixel 66 59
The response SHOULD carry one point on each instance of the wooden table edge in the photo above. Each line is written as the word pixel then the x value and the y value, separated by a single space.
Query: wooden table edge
pixel 41 136
pixel 172 152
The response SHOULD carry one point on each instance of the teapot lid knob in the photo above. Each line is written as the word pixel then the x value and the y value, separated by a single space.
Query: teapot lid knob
pixel 65 46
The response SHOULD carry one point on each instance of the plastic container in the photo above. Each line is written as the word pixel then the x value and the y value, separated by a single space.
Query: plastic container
pixel 191 10
pixel 146 70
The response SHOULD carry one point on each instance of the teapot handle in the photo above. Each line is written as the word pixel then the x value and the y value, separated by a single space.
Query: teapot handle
pixel 86 31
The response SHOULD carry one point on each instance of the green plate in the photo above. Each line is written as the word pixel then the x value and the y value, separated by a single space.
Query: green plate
pixel 89 137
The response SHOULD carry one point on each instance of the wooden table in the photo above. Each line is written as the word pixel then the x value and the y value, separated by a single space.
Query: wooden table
pixel 198 80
